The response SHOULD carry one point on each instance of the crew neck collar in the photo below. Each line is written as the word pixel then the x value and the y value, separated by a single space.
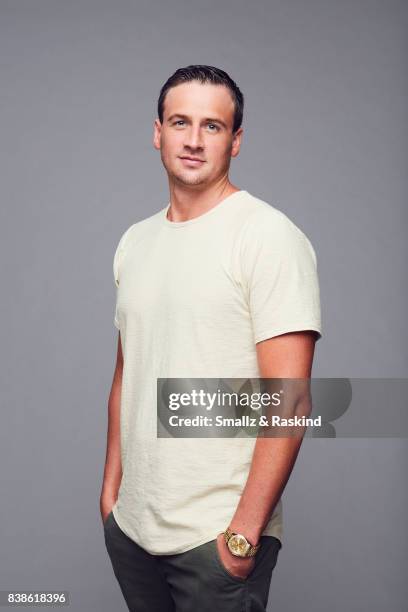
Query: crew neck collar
pixel 177 224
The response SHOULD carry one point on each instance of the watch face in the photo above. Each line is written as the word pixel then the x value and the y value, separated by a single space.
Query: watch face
pixel 238 545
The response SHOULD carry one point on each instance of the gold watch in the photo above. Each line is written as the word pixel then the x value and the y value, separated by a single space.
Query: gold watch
pixel 239 545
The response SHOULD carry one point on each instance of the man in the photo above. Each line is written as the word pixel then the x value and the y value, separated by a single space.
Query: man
pixel 217 284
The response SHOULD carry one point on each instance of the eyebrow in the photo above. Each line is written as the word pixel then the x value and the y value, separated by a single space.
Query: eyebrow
pixel 210 119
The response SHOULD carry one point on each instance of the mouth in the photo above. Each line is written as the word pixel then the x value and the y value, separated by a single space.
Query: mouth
pixel 191 161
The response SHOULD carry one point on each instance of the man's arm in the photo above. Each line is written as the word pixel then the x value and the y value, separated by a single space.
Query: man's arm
pixel 113 465
pixel 286 356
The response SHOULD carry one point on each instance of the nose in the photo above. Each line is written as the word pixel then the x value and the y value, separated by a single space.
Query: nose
pixel 193 137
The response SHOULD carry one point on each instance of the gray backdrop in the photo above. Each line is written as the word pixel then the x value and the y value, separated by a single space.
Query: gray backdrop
pixel 325 140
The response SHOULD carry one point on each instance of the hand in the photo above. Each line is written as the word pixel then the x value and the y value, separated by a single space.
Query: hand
pixel 237 566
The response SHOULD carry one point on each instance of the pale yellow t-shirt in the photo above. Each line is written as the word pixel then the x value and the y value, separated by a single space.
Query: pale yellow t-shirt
pixel 193 299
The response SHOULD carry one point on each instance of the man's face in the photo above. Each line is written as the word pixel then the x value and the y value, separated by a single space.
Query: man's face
pixel 197 122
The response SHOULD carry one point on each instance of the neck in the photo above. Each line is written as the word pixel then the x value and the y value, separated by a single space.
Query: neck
pixel 189 202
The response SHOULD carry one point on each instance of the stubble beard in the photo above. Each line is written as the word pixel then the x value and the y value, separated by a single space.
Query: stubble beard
pixel 193 177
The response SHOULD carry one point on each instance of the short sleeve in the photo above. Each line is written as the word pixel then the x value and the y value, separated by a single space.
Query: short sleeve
pixel 117 261
pixel 279 269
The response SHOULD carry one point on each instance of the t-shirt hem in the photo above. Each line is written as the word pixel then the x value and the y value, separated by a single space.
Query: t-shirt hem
pixel 174 551
pixel 271 333
pixel 181 549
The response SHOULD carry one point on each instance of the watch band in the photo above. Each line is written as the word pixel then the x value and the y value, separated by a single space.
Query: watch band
pixel 252 550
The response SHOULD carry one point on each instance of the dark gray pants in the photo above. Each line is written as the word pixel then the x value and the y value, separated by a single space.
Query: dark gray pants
pixel 193 581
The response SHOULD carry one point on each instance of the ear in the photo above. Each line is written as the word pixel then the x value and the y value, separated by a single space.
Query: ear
pixel 156 134
pixel 236 143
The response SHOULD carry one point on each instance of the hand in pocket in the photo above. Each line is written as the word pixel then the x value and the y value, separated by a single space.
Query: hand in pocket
pixel 237 567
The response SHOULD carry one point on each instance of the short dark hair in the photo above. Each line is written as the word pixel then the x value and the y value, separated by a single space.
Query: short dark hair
pixel 204 74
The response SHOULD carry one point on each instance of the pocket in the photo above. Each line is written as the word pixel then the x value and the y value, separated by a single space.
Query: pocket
pixel 106 521
pixel 224 570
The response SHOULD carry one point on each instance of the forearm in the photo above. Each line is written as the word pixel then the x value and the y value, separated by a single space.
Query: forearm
pixel 272 463
pixel 113 465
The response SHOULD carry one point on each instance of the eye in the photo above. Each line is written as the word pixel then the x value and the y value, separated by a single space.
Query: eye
pixel 178 121
pixel 216 127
